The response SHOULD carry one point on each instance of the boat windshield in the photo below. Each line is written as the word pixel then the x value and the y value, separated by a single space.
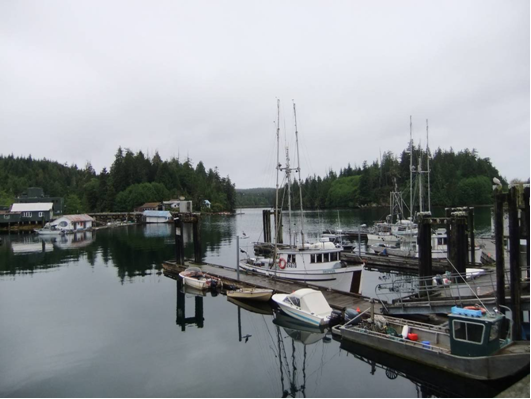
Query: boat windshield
pixel 293 300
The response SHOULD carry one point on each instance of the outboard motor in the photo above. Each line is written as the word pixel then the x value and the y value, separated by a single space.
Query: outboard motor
pixel 335 318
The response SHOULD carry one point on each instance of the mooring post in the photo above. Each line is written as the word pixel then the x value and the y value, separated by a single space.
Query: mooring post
pixel 472 236
pixel 266 224
pixel 179 246
pixel 500 247
pixel 199 319
pixel 514 262
pixel 424 243
pixel 198 258
pixel 279 233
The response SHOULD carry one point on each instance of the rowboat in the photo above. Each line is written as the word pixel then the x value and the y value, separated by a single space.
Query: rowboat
pixel 195 278
pixel 254 294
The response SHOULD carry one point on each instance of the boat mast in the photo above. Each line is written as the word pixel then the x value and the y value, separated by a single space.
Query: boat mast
pixel 299 172
pixel 420 182
pixel 288 178
pixel 277 211
pixel 428 167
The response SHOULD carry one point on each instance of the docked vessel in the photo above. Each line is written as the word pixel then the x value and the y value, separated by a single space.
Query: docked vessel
pixel 306 305
pixel 473 344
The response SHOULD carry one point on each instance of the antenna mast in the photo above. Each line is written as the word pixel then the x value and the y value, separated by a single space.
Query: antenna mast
pixel 299 172
pixel 411 168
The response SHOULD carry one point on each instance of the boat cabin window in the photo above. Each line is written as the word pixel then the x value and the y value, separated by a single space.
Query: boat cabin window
pixel 441 241
pixel 294 300
pixel 326 257
pixel 468 331
pixel 291 258
pixel 312 258
pixel 494 332
pixel 333 256
pixel 319 258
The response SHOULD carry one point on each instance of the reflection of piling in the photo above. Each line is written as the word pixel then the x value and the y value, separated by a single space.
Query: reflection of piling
pixel 182 320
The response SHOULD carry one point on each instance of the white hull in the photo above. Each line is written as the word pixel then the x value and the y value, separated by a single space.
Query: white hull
pixel 337 279
pixel 201 283
pixel 44 232
pixel 314 315
pixel 381 238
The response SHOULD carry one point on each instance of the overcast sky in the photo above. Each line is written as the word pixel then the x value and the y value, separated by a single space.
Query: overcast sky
pixel 201 79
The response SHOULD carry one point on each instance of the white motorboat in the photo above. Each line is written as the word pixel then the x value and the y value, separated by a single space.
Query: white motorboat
pixel 254 294
pixel 48 230
pixel 195 278
pixel 306 305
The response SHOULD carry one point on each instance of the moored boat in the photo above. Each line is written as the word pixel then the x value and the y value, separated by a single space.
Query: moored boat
pixel 195 278
pixel 306 305
pixel 254 294
pixel 472 345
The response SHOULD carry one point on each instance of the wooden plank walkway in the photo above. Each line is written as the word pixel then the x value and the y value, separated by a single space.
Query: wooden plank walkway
pixel 336 299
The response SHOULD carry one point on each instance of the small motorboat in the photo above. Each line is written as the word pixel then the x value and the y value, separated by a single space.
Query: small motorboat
pixel 306 305
pixel 49 230
pixel 196 278
pixel 253 294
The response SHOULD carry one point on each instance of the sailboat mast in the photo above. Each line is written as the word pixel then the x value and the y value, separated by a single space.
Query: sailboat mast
pixel 299 172
pixel 277 211
pixel 428 167
pixel 421 209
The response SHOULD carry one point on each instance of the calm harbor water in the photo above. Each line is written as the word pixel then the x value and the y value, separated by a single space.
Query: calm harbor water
pixel 92 315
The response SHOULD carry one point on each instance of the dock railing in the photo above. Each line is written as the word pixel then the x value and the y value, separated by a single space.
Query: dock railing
pixel 441 287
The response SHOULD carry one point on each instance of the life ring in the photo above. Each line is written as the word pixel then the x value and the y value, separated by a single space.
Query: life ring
pixel 282 263
pixel 483 310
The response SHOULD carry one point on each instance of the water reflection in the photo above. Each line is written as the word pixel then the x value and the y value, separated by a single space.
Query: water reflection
pixel 429 382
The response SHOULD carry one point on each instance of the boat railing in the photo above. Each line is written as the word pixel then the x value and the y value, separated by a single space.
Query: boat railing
pixel 440 287
pixel 406 342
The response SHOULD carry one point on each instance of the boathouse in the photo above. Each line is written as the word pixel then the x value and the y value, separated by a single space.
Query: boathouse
pixel 73 222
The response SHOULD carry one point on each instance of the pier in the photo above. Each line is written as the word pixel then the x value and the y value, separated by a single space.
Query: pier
pixel 337 300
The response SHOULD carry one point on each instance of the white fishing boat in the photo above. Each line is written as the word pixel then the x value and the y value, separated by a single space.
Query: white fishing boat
pixel 195 278
pixel 254 294
pixel 318 263
pixel 306 305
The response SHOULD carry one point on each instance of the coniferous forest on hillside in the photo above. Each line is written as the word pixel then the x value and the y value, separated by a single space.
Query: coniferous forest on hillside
pixel 456 179
pixel 132 180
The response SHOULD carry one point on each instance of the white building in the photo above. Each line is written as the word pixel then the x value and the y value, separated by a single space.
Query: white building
pixel 73 223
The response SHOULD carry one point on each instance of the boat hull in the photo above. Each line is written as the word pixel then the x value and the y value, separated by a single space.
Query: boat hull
pixel 337 279
pixel 201 284
pixel 481 368
pixel 299 315
pixel 252 294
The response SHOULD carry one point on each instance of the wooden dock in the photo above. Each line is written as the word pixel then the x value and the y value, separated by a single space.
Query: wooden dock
pixel 337 299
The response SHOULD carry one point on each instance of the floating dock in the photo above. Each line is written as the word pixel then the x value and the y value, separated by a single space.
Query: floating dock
pixel 336 299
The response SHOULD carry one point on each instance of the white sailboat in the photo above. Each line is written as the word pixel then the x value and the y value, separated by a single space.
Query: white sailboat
pixel 317 263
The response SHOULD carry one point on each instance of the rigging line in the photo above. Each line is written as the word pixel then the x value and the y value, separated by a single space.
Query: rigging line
pixel 468 285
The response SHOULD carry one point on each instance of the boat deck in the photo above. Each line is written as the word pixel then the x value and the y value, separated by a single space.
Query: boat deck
pixel 336 299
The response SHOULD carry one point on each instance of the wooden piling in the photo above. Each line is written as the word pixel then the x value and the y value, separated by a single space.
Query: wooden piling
pixel 525 219
pixel 472 236
pixel 514 263
pixel 198 256
pixel 500 250
pixel 424 243
pixel 179 242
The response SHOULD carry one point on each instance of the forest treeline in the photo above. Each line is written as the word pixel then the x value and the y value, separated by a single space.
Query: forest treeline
pixel 132 180
pixel 456 179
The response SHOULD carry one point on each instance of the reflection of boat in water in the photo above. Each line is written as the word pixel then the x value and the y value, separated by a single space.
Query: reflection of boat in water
pixel 74 240
pixel 187 289
pixel 430 382
pixel 302 332
pixel 252 306
pixel 32 247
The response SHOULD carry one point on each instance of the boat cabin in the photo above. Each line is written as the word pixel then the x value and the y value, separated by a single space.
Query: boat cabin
pixel 473 334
